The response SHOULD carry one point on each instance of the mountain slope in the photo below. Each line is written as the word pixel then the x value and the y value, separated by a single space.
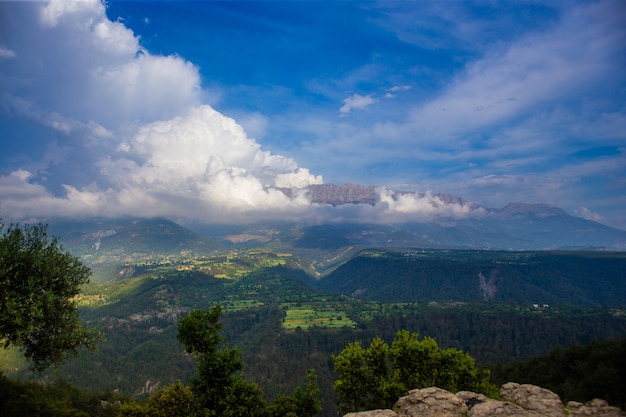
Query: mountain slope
pixel 131 235
pixel 444 220
pixel 106 244
pixel 553 278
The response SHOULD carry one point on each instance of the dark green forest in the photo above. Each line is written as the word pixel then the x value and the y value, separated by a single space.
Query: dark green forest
pixel 590 279
pixel 579 373
pixel 285 321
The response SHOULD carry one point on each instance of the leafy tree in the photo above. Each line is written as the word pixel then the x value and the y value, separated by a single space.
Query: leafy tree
pixel 354 377
pixel 219 385
pixel 375 377
pixel 415 360
pixel 303 402
pixel 38 285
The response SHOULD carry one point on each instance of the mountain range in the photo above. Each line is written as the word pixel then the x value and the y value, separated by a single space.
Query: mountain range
pixel 517 226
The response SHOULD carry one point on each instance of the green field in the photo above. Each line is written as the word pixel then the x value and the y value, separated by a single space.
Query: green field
pixel 315 314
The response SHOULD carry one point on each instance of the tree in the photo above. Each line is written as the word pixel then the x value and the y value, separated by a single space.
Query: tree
pixel 38 285
pixel 173 400
pixel 219 385
pixel 303 402
pixel 415 361
pixel 377 376
pixel 354 376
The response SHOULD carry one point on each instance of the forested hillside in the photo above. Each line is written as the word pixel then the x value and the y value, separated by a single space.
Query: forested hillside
pixel 553 278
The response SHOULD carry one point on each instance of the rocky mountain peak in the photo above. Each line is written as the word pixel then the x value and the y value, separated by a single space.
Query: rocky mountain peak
pixel 343 194
pixel 539 210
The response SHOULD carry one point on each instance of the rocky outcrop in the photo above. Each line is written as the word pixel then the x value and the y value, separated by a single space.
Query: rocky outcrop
pixel 342 194
pixel 517 400
pixel 594 407
pixel 374 413
pixel 431 402
pixel 532 398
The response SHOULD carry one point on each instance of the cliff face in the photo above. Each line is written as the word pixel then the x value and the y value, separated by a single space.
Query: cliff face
pixel 337 195
pixel 516 401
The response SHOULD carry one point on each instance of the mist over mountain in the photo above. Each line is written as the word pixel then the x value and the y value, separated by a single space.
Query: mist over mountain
pixel 452 223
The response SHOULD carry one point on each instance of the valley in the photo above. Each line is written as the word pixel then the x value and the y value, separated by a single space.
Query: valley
pixel 290 307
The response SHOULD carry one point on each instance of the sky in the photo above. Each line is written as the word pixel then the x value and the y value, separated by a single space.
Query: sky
pixel 196 111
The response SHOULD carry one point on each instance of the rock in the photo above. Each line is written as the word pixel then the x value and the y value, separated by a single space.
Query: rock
pixel 471 398
pixel 517 401
pixel 595 407
pixel 481 406
pixel 374 413
pixel 433 401
pixel 533 398
pixel 494 408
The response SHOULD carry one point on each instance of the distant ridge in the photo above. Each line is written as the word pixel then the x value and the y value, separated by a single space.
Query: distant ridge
pixel 516 226
pixel 102 243
pixel 539 210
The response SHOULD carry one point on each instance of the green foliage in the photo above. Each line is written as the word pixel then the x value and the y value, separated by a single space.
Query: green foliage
pixel 219 386
pixel 57 399
pixel 174 400
pixel 38 283
pixel 303 403
pixel 375 377
pixel 546 277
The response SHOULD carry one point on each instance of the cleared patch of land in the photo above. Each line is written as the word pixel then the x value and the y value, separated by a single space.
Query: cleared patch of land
pixel 315 314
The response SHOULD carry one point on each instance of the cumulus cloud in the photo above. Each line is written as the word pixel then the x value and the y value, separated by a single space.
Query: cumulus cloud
pixel 133 125
pixel 199 166
pixel 74 62
pixel 356 101
pixel 298 179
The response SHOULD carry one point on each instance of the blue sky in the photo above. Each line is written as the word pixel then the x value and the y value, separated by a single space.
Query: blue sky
pixel 191 110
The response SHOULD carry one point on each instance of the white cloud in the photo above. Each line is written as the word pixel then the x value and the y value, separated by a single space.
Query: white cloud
pixel 56 9
pixel 391 92
pixel 297 179
pixel 199 166
pixel 356 101
pixel 138 120
pixel 76 63
pixel 585 213
pixel 423 207
pixel 542 69
pixel 7 53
